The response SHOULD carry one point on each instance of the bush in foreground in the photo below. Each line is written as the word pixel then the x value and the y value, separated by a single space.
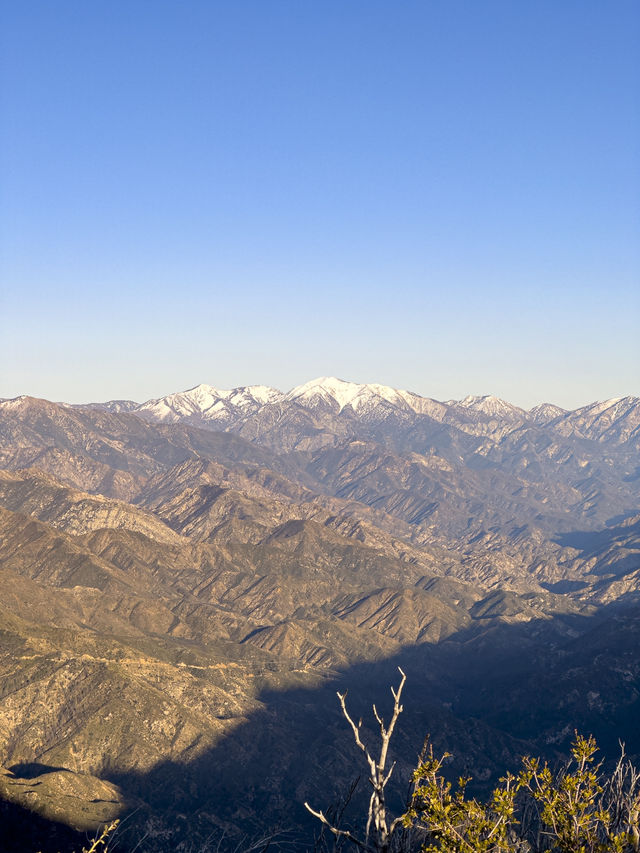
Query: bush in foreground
pixel 576 809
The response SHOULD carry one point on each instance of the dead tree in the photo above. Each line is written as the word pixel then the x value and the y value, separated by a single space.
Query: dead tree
pixel 379 831
pixel 621 799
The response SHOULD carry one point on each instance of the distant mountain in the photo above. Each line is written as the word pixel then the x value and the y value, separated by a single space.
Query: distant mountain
pixel 204 404
pixel 545 413
pixel 115 406
pixel 237 408
pixel 255 410
pixel 361 399
pixel 614 421
pixel 493 407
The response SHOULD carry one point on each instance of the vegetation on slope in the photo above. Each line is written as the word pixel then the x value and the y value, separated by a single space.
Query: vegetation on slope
pixel 574 809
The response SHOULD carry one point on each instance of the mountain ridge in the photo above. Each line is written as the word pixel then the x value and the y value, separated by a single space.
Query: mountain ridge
pixel 246 409
pixel 342 391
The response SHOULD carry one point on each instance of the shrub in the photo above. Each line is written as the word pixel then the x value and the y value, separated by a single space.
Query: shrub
pixel 576 809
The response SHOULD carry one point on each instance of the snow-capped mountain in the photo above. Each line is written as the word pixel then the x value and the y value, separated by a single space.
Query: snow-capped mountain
pixel 253 409
pixel 618 418
pixel 545 413
pixel 206 403
pixel 492 406
pixel 360 397
pixel 328 389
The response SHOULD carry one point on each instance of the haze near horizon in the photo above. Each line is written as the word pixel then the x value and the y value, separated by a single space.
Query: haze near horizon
pixel 438 197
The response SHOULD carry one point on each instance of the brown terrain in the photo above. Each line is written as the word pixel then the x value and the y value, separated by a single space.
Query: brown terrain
pixel 181 596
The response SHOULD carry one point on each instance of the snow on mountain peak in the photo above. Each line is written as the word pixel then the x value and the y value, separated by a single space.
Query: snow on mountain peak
pixel 248 409
pixel 262 393
pixel 204 402
pixel 228 409
pixel 13 402
pixel 490 405
pixel 545 413
pixel 209 403
pixel 328 388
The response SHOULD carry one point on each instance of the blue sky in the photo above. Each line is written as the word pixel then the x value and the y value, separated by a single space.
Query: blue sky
pixel 440 196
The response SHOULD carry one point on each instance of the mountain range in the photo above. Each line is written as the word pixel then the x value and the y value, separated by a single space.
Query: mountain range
pixel 206 405
pixel 186 582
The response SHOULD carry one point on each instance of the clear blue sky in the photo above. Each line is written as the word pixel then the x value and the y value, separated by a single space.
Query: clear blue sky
pixel 437 195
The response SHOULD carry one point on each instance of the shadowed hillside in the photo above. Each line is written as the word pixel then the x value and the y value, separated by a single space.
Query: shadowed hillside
pixel 295 745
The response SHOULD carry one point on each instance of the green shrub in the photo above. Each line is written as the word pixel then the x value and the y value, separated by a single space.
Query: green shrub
pixel 576 809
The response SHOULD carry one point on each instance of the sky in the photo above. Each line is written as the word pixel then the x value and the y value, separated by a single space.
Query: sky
pixel 437 195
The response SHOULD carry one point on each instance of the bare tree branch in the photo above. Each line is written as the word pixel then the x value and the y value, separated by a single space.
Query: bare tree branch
pixel 377 826
pixel 339 832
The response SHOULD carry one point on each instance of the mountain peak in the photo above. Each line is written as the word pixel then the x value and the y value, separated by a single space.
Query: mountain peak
pixel 206 402
pixel 330 389
pixel 488 404
pixel 545 413
pixel 249 408
pixel 13 402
